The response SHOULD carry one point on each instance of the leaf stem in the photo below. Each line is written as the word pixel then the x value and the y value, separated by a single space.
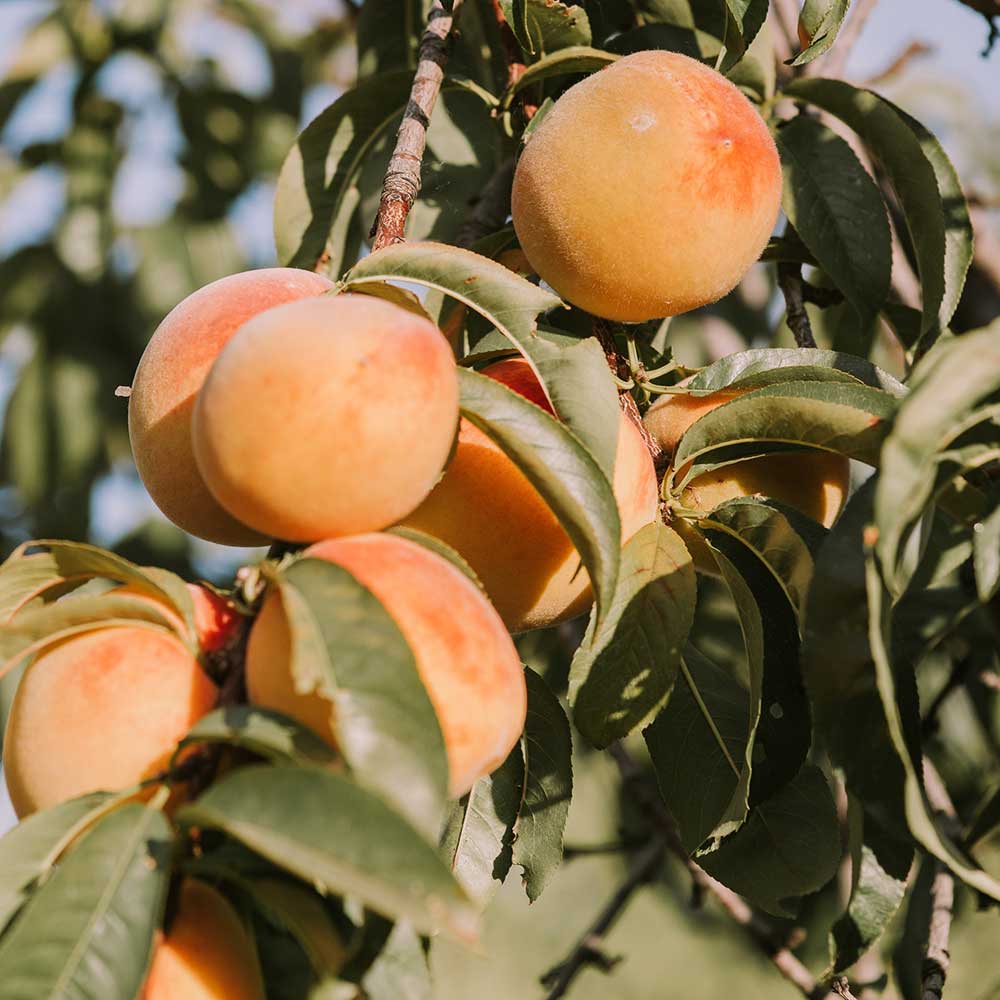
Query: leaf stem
pixel 402 177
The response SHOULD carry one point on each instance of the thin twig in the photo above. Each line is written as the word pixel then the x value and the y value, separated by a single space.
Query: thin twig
pixel 937 958
pixel 402 177
pixel 588 950
pixel 790 283
pixel 648 799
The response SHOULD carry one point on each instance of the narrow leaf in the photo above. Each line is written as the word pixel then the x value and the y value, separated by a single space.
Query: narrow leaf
pixel 819 22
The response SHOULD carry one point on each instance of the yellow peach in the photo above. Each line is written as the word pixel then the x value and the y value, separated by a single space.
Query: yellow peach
pixel 649 189
pixel 206 953
pixel 327 417
pixel 463 653
pixel 170 374
pixel 487 511
pixel 100 711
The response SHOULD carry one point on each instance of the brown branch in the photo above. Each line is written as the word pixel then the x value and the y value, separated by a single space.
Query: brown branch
pixel 648 799
pixel 588 950
pixel 402 177
pixel 937 957
pixel 791 285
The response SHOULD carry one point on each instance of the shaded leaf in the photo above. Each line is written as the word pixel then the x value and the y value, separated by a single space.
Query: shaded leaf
pixel 564 62
pixel 697 745
pixel 788 847
pixel 479 831
pixel 819 22
pixel 626 668
pixel 923 179
pixel 547 25
pixel 837 211
pixel 548 751
pixel 334 834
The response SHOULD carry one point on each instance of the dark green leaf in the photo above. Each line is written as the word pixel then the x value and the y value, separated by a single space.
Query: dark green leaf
pixel 348 648
pixel 697 744
pixel 545 26
pixel 986 554
pixel 88 931
pixel 837 210
pixel 762 366
pixel 744 18
pixel 562 471
pixel 920 817
pixel 548 751
pixel 689 41
pixel 626 668
pixel 819 21
pixel 261 731
pixel 925 183
pixel 479 830
pixel 330 832
pixel 788 847
pixel 576 59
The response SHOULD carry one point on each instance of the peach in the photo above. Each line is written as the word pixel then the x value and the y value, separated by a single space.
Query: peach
pixel 170 374
pixel 327 417
pixel 216 620
pixel 487 511
pixel 463 653
pixel 649 189
pixel 814 482
pixel 100 711
pixel 206 954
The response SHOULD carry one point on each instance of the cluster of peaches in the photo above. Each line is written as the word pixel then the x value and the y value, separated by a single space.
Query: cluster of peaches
pixel 269 407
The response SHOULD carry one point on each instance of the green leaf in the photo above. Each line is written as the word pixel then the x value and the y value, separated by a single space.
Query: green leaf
pixel 439 548
pixel 88 931
pixel 337 836
pixel 547 25
pixel 923 179
pixel 949 389
pixel 920 817
pixel 880 867
pixel 762 366
pixel 29 849
pixel 626 668
pixel 400 972
pixel 559 467
pixel 697 745
pixel 779 712
pixel 782 540
pixel 564 62
pixel 986 554
pixel 837 210
pixel 548 761
pixel 849 419
pixel 819 21
pixel 479 831
pixel 689 41
pixel 788 847
pixel 268 734
pixel 348 648
pixel 388 36
pixel 744 18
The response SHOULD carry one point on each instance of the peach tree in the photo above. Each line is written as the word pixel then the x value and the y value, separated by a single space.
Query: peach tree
pixel 458 416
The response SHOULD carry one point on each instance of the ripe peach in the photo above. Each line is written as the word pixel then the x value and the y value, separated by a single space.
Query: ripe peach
pixel 486 509
pixel 100 710
pixel 206 954
pixel 814 482
pixel 170 374
pixel 327 417
pixel 464 655
pixel 649 189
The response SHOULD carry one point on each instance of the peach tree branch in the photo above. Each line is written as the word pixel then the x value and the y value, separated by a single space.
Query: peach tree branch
pixel 402 177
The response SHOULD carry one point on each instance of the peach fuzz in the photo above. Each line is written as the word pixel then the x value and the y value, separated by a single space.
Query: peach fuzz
pixel 170 374
pixel 100 711
pixel 327 417
pixel 485 509
pixel 814 482
pixel 206 953
pixel 649 189
pixel 463 653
